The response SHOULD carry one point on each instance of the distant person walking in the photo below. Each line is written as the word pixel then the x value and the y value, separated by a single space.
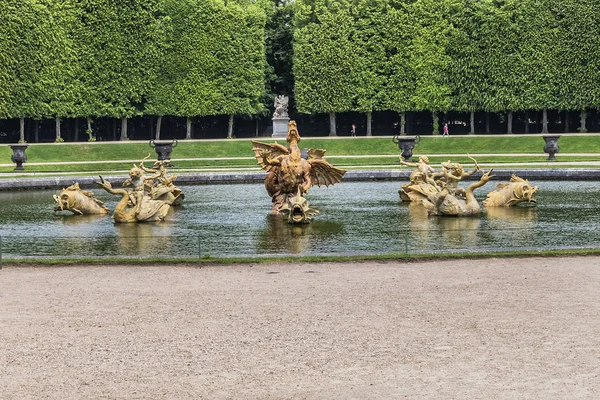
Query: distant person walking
pixel 446 129
pixel 353 130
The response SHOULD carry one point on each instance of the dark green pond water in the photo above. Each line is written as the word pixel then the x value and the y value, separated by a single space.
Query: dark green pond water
pixel 356 218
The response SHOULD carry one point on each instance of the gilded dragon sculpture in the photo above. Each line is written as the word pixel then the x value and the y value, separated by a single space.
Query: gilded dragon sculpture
pixel 289 175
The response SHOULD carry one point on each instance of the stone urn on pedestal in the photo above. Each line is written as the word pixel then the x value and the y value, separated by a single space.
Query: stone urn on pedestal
pixel 163 149
pixel 281 117
pixel 406 144
pixel 551 147
pixel 18 156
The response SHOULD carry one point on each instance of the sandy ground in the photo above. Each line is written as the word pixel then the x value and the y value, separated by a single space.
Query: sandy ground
pixel 471 329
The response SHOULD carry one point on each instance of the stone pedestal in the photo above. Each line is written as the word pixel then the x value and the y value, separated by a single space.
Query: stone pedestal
pixel 280 127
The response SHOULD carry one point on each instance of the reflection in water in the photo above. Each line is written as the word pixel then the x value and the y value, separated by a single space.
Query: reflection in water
pixel 419 225
pixel 426 231
pixel 73 219
pixel 145 239
pixel 459 231
pixel 368 220
pixel 280 236
pixel 516 215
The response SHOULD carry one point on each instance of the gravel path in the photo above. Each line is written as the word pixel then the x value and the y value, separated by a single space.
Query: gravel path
pixel 471 329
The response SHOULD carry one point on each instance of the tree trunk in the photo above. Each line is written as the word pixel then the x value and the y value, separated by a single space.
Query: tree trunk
pixel 88 131
pixel 36 131
pixel 403 123
pixel 256 131
pixel 566 121
pixel 545 120
pixel 436 123
pixel 230 127
pixel 487 122
pixel 526 121
pixel 76 133
pixel 369 123
pixel 332 129
pixel 472 123
pixel 158 123
pixel 123 128
pixel 58 137
pixel 188 128
pixel 509 123
pixel 582 118
pixel 21 130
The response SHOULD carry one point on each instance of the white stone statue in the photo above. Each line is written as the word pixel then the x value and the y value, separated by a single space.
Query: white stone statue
pixel 281 107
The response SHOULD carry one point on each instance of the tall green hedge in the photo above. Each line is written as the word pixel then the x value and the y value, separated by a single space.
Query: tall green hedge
pixel 107 58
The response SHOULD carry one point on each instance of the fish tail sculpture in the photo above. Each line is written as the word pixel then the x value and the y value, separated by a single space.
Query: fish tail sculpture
pixel 79 202
pixel 517 191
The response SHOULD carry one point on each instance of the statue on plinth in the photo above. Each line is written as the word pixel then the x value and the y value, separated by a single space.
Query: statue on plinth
pixel 281 107
pixel 280 116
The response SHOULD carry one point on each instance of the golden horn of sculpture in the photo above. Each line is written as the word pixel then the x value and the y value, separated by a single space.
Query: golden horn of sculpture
pixel 475 161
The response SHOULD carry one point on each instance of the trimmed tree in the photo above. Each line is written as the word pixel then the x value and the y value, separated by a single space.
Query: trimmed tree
pixel 324 58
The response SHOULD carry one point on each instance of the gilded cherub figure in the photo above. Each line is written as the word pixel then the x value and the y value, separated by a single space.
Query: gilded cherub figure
pixel 421 183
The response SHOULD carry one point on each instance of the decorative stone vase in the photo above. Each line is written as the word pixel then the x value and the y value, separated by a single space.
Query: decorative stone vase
pixel 551 146
pixel 280 127
pixel 19 156
pixel 406 144
pixel 163 149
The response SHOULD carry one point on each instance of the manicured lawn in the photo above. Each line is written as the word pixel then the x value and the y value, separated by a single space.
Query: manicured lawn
pixel 457 146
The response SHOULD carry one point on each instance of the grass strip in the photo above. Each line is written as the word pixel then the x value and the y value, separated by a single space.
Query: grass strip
pixel 459 145
pixel 208 260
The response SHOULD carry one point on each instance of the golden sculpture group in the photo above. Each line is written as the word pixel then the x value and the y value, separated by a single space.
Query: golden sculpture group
pixel 289 177
pixel 440 193
pixel 150 199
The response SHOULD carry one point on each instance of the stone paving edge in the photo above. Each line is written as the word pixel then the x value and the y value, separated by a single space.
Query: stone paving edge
pixel 200 178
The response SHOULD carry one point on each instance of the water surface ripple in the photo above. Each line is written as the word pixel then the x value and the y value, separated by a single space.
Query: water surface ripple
pixel 357 218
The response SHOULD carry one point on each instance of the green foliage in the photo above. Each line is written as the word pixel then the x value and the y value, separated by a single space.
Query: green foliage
pixel 120 45
pixel 43 55
pixel 212 59
pixel 429 54
pixel 9 30
pixel 242 58
pixel 371 65
pixel 324 59
pixel 279 32
pixel 577 53
pixel 106 58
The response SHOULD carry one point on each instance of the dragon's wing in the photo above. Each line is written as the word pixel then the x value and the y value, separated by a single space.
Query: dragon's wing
pixel 263 151
pixel 323 173
pixel 316 154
